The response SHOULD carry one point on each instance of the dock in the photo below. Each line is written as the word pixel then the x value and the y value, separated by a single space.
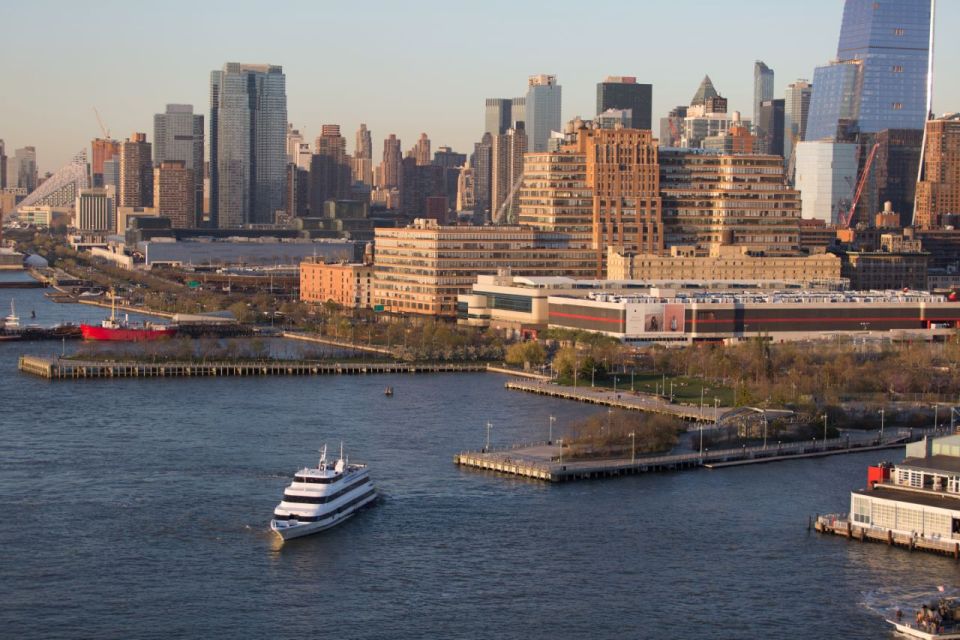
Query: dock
pixel 332 342
pixel 544 461
pixel 623 399
pixel 840 525
pixel 68 369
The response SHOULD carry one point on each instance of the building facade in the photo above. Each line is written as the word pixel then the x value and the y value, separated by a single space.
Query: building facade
pixel 174 195
pixel 542 110
pixel 826 176
pixel 248 124
pixel 624 92
pixel 796 107
pixel 421 269
pixel 505 173
pixel 95 210
pixel 25 162
pixel 554 195
pixel 178 136
pixel 762 87
pixel 136 172
pixel 938 193
pixel 348 284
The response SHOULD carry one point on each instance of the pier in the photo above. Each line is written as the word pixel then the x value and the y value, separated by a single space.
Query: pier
pixel 840 525
pixel 66 369
pixel 624 399
pixel 545 461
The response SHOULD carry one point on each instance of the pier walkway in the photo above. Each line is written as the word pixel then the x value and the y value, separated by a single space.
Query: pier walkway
pixel 65 369
pixel 625 399
pixel 840 524
pixel 545 462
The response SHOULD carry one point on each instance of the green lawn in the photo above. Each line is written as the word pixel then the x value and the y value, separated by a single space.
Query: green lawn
pixel 685 390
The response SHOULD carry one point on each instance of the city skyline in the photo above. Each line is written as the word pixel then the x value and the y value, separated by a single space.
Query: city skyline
pixel 353 90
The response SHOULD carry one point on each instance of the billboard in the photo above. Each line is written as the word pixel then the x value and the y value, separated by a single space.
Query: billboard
pixel 647 318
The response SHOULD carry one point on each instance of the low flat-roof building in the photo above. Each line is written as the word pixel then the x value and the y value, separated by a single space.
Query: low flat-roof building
pixel 348 284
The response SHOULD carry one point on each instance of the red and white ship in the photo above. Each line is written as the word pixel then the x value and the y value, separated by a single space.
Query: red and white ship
pixel 125 331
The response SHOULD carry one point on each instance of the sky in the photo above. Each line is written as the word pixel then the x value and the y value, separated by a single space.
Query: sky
pixel 400 67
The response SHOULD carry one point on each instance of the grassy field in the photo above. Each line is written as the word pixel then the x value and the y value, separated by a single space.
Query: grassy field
pixel 685 390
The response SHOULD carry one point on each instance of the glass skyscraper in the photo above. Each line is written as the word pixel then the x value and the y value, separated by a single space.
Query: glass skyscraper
pixel 248 128
pixel 542 110
pixel 879 80
pixel 178 135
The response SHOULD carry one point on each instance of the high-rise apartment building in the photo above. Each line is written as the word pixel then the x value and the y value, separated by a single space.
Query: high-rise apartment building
pixel 482 172
pixel 25 161
pixel 3 165
pixel 826 176
pixel 294 140
pixel 111 173
pixel 796 106
pixel 879 78
pixel 390 169
pixel 505 173
pixel 770 127
pixel 466 192
pixel 762 87
pixel 423 192
pixel 715 198
pixel 95 210
pixel 938 193
pixel 178 137
pixel 174 196
pixel 248 125
pixel 542 110
pixel 624 92
pixel 363 157
pixel 421 150
pixel 330 170
pixel 136 172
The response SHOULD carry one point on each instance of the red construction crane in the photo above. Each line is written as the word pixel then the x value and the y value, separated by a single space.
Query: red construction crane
pixel 848 218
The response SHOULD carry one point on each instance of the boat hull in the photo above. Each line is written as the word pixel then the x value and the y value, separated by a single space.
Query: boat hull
pixel 289 532
pixel 911 631
pixel 93 332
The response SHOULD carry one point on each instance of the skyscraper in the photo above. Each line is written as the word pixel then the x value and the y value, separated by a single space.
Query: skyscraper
pixel 421 151
pixel 505 173
pixel 136 172
pixel 542 110
pixel 3 165
pixel 497 116
pixel 879 78
pixel 178 137
pixel 770 127
pixel 938 193
pixel 102 150
pixel 248 124
pixel 624 92
pixel 95 210
pixel 174 196
pixel 762 87
pixel 796 106
pixel 25 161
pixel 330 172
pixel 482 167
pixel 390 171
pixel 363 157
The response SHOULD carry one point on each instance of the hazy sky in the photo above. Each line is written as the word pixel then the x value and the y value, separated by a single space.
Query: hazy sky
pixel 401 67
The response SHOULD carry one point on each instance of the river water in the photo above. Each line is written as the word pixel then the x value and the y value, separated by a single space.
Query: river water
pixel 140 508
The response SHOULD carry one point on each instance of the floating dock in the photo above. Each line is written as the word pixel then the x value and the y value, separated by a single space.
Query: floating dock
pixel 840 525
pixel 544 462
pixel 66 369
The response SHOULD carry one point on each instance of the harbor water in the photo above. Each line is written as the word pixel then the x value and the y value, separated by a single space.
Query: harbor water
pixel 140 508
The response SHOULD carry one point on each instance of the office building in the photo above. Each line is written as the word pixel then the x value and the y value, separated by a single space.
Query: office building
pixel 826 176
pixel 893 174
pixel 769 127
pixel 178 137
pixel 3 165
pixel 505 174
pixel 482 173
pixel 542 110
pixel 248 159
pixel 938 192
pixel 25 162
pixel 502 114
pixel 796 106
pixel 174 195
pixel 111 173
pixel 348 284
pixel 736 139
pixel 713 198
pixel 671 127
pixel 555 195
pixel 421 150
pixel 363 157
pixel 423 268
pixel 95 210
pixel 466 189
pixel 294 140
pixel 424 192
pixel 136 172
pixel 625 93
pixel 707 117
pixel 878 80
pixel 762 87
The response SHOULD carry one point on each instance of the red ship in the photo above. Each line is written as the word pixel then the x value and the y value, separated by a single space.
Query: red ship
pixel 125 331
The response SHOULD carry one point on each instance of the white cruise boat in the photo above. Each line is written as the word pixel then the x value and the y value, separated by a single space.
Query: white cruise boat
pixel 322 497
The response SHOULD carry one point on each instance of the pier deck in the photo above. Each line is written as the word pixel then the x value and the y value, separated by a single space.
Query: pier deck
pixel 840 525
pixel 64 369
pixel 543 461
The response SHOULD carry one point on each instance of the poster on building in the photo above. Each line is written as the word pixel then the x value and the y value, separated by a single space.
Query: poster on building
pixel 673 318
pixel 653 320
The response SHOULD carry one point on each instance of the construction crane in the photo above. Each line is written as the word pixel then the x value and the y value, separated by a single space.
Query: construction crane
pixel 106 132
pixel 848 218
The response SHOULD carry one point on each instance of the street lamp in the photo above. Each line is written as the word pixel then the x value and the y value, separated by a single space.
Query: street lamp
pixel 824 430
pixel 936 416
pixel 701 438
pixel 489 426
pixel 881 426
pixel 716 412
pixel 633 446
pixel 552 420
pixel 593 375
pixel 614 384
pixel 560 442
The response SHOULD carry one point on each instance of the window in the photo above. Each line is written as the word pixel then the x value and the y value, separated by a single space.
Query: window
pixel 897 68
pixel 898 31
pixel 897 106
